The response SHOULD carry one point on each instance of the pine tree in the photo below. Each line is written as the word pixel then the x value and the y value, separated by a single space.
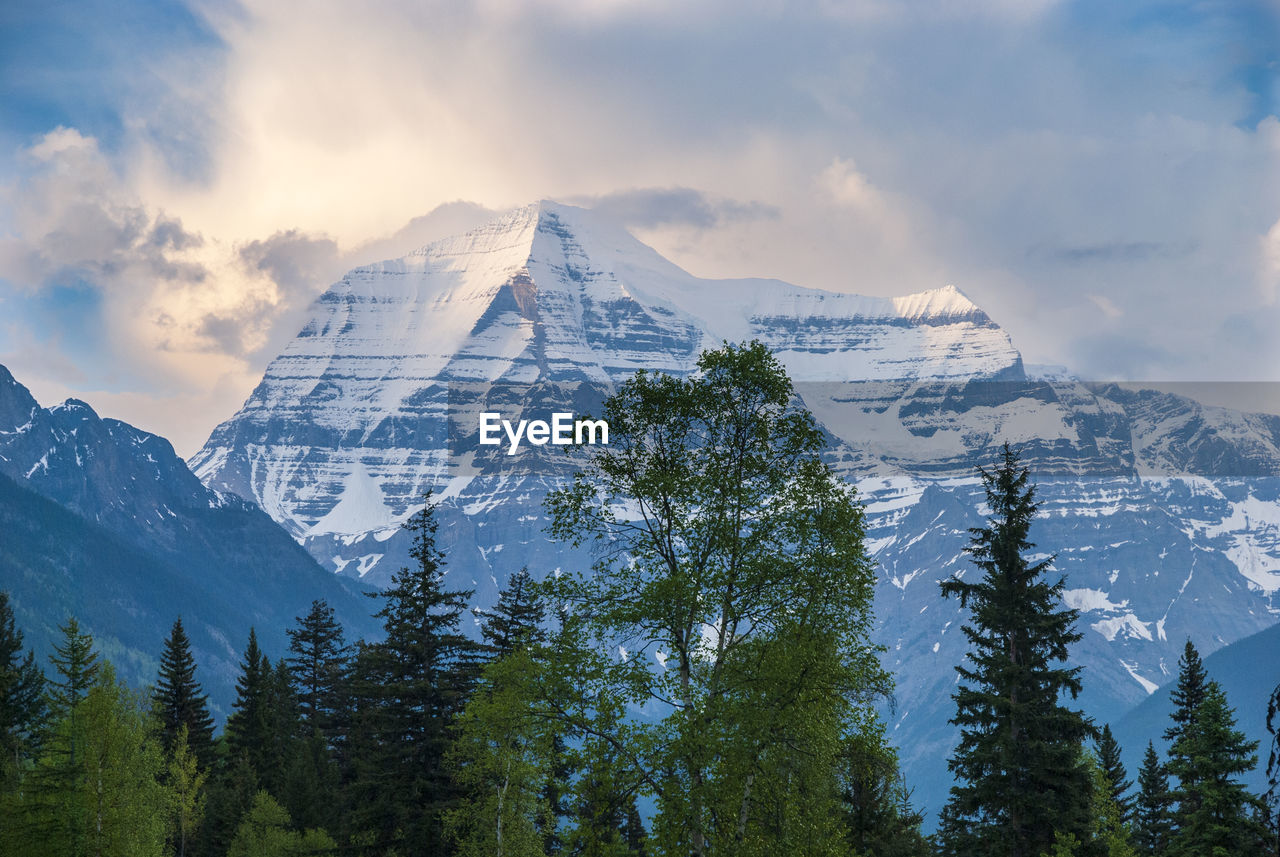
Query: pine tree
pixel 1153 808
pixel 318 661
pixel 411 686
pixel 516 619
pixel 22 703
pixel 179 701
pixel 248 732
pixel 75 669
pixel 1117 778
pixel 1216 813
pixel 1187 694
pixel 1017 763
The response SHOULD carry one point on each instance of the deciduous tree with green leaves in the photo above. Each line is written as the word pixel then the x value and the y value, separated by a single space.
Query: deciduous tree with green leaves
pixel 733 592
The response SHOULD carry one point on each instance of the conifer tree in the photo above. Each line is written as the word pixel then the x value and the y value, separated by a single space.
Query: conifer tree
pixel 75 669
pixel 22 702
pixel 1187 694
pixel 1153 807
pixel 1216 814
pixel 317 661
pixel 1017 763
pixel 516 619
pixel 1116 777
pixel 411 686
pixel 179 700
pixel 248 730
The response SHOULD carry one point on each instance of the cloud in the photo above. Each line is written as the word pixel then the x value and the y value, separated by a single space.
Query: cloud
pixel 648 208
pixel 1033 153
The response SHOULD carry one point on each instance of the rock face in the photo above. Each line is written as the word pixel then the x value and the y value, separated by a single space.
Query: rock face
pixel 103 521
pixel 349 424
pixel 1164 514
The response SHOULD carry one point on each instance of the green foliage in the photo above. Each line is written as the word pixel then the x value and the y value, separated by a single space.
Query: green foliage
pixel 736 592
pixel 96 790
pixel 408 689
pixel 75 667
pixel 1019 781
pixel 1111 834
pixel 318 660
pixel 266 832
pixel 875 802
pixel 1115 776
pixel 22 705
pixel 1153 807
pixel 516 620
pixel 1215 812
pixel 186 790
pixel 501 759
pixel 179 701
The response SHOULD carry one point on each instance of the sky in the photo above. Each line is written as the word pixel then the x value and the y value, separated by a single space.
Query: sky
pixel 178 181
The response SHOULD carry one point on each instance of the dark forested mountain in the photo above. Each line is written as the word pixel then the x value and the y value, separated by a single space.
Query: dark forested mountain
pixel 104 521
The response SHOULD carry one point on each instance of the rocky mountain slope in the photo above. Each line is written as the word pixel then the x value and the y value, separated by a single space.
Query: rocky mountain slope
pixel 103 521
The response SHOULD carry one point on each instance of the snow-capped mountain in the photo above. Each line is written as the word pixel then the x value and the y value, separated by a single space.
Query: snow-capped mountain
pixel 1164 514
pixel 105 522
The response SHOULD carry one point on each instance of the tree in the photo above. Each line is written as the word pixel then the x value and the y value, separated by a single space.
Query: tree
pixel 1216 813
pixel 22 703
pixel 732 588
pixel 876 805
pixel 246 730
pixel 266 832
pixel 179 700
pixel 317 661
pixel 516 619
pixel 1111 833
pixel 75 669
pixel 1152 810
pixel 1187 696
pixel 409 689
pixel 186 786
pixel 1017 761
pixel 1272 796
pixel 96 789
pixel 1115 776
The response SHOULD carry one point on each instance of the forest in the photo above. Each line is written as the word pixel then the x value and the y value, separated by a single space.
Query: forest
pixel 710 686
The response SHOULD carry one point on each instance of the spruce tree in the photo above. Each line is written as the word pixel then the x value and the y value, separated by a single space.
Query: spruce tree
pixel 411 686
pixel 248 731
pixel 516 620
pixel 22 703
pixel 1153 807
pixel 75 667
pixel 1017 763
pixel 1117 778
pixel 1187 694
pixel 179 700
pixel 1216 813
pixel 317 661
